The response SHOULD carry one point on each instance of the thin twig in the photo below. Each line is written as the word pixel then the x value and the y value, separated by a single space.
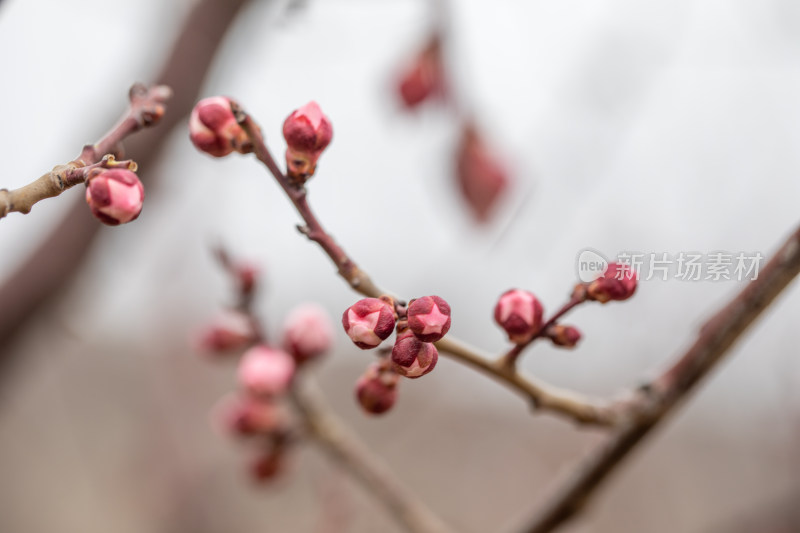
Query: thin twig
pixel 658 398
pixel 341 444
pixel 542 396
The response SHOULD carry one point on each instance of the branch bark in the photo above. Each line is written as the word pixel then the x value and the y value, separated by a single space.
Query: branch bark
pixel 660 397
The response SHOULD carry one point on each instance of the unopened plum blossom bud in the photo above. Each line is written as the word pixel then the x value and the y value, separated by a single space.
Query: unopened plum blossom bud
pixel 519 313
pixel 246 275
pixel 429 318
pixel 425 76
pixel 268 465
pixel 114 195
pixel 368 322
pixel 307 132
pixel 618 283
pixel 412 357
pixel 566 336
pixel 307 332
pixel 229 331
pixel 376 389
pixel 266 372
pixel 246 416
pixel 481 178
pixel 213 128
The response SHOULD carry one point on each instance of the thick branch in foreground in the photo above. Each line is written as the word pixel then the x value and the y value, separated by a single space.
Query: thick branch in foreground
pixel 341 444
pixel 655 401
pixel 146 108
pixel 545 397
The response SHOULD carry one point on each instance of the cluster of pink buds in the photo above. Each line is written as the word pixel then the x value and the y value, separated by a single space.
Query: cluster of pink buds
pixel 370 321
pixel 617 283
pixel 213 128
pixel 307 132
pixel 114 195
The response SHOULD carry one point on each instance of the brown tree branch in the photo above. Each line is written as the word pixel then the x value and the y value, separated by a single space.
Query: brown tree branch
pixel 656 400
pixel 346 450
pixel 541 396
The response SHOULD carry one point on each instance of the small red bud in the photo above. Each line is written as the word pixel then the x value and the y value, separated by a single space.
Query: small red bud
pixel 566 336
pixel 429 318
pixel 307 332
pixel 268 465
pixel 114 195
pixel 213 128
pixel 307 132
pixel 376 389
pixel 246 275
pixel 425 76
pixel 368 322
pixel 229 331
pixel 617 283
pixel 481 178
pixel 247 416
pixel 412 357
pixel 265 372
pixel 519 313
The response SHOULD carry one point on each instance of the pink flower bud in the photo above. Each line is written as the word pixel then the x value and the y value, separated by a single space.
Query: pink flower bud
pixel 425 77
pixel 307 132
pixel 246 275
pixel 368 322
pixel 566 336
pixel 114 195
pixel 412 357
pixel 480 176
pixel 519 313
pixel 268 465
pixel 265 372
pixel 213 128
pixel 429 318
pixel 617 283
pixel 376 390
pixel 247 416
pixel 229 331
pixel 307 332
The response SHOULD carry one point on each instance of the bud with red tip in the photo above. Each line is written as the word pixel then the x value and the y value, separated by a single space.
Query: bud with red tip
pixel 617 283
pixel 425 77
pixel 429 318
pixel 376 390
pixel 114 195
pixel 247 416
pixel 307 132
pixel 229 331
pixel 266 372
pixel 307 332
pixel 412 357
pixel 213 128
pixel 369 322
pixel 481 178
pixel 519 313
pixel 566 336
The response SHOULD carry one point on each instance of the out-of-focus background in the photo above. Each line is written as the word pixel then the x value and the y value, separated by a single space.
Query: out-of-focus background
pixel 627 125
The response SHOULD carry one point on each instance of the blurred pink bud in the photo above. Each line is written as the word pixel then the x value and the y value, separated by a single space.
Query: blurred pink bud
pixel 246 275
pixel 114 195
pixel 566 336
pixel 424 78
pixel 519 313
pixel 481 178
pixel 307 132
pixel 265 372
pixel 429 318
pixel 376 389
pixel 307 332
pixel 368 322
pixel 412 357
pixel 268 465
pixel 247 416
pixel 617 283
pixel 229 331
pixel 213 128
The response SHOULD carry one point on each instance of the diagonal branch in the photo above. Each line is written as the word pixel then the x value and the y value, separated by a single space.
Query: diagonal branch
pixel 657 399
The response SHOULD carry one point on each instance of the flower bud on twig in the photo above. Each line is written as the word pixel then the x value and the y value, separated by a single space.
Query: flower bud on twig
pixel 368 322
pixel 114 195
pixel 247 416
pixel 412 357
pixel 481 178
pixel 425 76
pixel 376 389
pixel 617 283
pixel 307 332
pixel 265 372
pixel 213 128
pixel 566 336
pixel 429 318
pixel 229 331
pixel 307 132
pixel 519 313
